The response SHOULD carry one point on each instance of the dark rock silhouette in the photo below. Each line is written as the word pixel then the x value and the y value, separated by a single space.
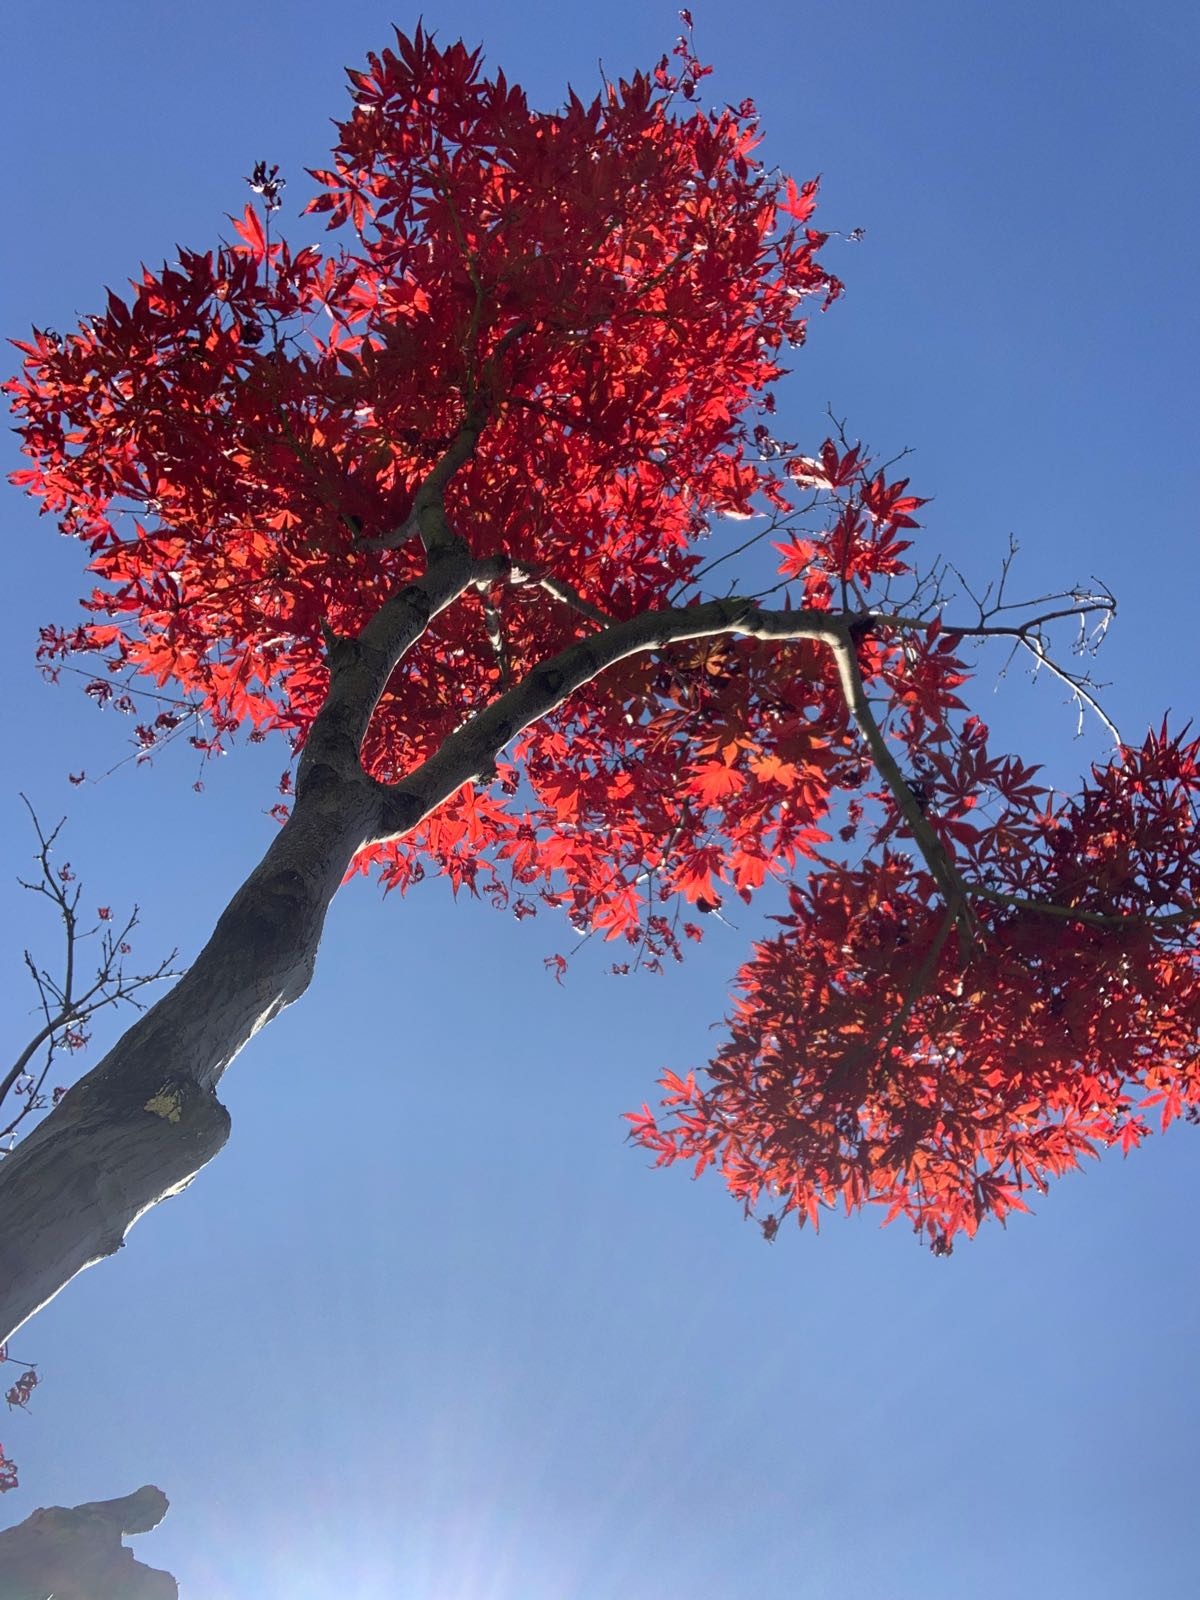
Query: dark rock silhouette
pixel 76 1552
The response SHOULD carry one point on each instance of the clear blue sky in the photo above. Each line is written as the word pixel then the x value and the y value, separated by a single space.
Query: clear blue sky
pixel 428 1330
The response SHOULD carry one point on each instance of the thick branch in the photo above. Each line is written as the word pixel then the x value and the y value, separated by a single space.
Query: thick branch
pixel 359 668
pixel 428 515
pixel 475 746
pixel 427 518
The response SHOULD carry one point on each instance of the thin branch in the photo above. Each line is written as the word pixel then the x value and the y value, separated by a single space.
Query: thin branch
pixel 563 592
pixel 1096 919
pixel 930 846
pixel 65 1011
pixel 1029 635
pixel 494 624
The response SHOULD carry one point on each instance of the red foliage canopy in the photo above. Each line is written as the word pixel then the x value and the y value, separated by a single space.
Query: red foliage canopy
pixel 576 317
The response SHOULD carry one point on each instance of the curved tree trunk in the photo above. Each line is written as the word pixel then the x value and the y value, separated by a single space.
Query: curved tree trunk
pixel 140 1126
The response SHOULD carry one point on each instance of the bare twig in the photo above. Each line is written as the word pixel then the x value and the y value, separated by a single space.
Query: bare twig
pixel 67 1002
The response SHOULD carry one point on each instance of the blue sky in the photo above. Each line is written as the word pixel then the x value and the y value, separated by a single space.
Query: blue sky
pixel 428 1330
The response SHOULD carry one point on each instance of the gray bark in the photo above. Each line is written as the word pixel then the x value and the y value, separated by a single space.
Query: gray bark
pixel 140 1125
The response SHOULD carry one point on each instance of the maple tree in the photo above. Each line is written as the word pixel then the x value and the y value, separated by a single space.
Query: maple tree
pixel 436 506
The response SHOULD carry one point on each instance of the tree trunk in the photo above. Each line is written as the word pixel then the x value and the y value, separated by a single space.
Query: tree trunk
pixel 141 1125
pixel 144 1122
